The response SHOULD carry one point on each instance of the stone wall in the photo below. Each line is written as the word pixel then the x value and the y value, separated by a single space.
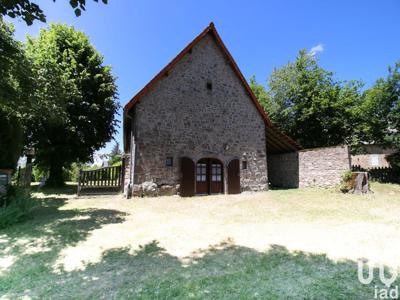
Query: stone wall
pixel 320 167
pixel 180 116
pixel 323 167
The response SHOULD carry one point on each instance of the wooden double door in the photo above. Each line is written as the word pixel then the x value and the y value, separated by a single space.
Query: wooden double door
pixel 209 176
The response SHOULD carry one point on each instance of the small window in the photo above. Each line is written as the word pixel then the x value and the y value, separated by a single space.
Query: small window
pixel 169 161
pixel 216 172
pixel 244 164
pixel 201 172
pixel 209 85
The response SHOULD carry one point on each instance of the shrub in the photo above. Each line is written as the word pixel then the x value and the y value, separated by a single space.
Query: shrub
pixel 115 160
pixel 72 173
pixel 117 164
pixel 16 207
pixel 38 173
pixel 347 176
pixel 345 184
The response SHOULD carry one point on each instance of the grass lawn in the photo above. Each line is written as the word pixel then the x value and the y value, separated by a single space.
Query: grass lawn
pixel 283 244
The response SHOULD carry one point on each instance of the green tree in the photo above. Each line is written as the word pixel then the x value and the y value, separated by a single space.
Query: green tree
pixel 264 98
pixel 15 87
pixel 30 11
pixel 381 113
pixel 381 110
pixel 115 150
pixel 310 105
pixel 115 155
pixel 80 97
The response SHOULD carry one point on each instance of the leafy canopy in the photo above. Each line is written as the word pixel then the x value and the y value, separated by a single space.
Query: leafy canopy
pixel 380 113
pixel 80 97
pixel 381 110
pixel 30 11
pixel 15 87
pixel 306 102
pixel 115 155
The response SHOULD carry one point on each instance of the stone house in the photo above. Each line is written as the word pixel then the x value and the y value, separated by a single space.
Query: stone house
pixel 197 128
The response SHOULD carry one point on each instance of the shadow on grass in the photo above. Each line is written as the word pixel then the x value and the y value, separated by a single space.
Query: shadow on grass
pixel 34 245
pixel 68 189
pixel 225 271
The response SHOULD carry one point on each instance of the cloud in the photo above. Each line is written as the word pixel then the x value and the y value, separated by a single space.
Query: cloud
pixel 316 49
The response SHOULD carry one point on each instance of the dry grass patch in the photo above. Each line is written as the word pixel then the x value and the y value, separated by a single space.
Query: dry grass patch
pixel 317 221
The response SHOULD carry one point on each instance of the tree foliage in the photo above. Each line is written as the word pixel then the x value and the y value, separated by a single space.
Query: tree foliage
pixel 79 94
pixel 381 113
pixel 264 98
pixel 381 110
pixel 30 11
pixel 15 87
pixel 306 102
pixel 115 155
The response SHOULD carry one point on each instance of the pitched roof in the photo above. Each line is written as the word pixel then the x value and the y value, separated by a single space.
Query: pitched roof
pixel 277 141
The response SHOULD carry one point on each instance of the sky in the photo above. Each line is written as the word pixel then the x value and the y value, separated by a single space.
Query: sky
pixel 353 39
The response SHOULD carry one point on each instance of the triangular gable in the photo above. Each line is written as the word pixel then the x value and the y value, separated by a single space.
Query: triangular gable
pixel 279 142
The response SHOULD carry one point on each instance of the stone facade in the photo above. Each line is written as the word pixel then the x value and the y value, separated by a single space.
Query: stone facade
pixel 323 167
pixel 199 110
pixel 320 167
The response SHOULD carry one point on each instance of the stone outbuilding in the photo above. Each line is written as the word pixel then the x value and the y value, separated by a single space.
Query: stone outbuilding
pixel 197 128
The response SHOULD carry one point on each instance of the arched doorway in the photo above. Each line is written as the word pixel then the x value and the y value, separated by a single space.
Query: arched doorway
pixel 209 176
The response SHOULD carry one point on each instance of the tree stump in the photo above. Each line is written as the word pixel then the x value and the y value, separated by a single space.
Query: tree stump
pixel 359 183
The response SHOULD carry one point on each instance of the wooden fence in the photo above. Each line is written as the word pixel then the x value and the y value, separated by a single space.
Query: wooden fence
pixel 100 181
pixel 384 175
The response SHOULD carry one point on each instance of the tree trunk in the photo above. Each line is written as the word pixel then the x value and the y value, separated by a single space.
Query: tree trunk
pixel 55 177
pixel 359 183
